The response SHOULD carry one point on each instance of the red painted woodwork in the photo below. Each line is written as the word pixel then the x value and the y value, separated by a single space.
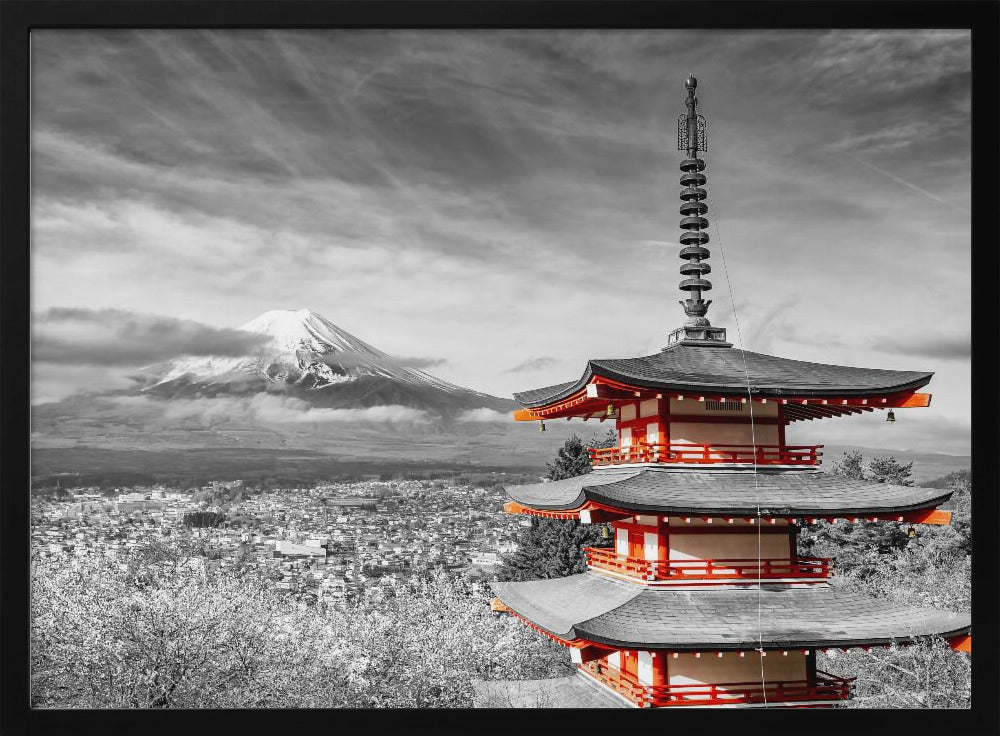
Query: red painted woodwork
pixel 659 525
pixel 635 539
pixel 961 643
pixel 826 687
pixel 723 419
pixel 707 454
pixel 602 513
pixel 912 401
pixel 636 424
pixel 602 516
pixel 629 664
pixel 762 528
pixel 594 398
pixel 928 516
pixel 816 569
pixel 513 507
pixel 526 415
pixel 588 653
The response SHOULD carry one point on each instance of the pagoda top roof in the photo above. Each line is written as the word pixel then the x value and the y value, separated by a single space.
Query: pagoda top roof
pixel 720 369
pixel 615 613
pixel 694 492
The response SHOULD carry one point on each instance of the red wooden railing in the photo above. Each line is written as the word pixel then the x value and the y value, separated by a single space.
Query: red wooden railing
pixel 605 558
pixel 708 454
pixel 825 687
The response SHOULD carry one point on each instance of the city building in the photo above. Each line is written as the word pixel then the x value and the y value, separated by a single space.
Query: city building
pixel 702 599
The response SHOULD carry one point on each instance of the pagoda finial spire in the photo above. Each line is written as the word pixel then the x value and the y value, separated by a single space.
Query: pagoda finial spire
pixel 693 139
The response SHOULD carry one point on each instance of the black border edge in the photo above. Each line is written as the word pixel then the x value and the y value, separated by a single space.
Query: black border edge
pixel 17 17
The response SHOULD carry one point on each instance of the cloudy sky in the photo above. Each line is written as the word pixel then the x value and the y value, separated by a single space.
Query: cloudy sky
pixel 503 205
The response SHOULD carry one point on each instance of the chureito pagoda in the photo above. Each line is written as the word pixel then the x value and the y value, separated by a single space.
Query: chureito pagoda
pixel 703 599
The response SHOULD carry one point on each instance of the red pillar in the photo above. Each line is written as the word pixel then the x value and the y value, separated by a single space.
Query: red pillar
pixel 660 668
pixel 630 663
pixel 663 415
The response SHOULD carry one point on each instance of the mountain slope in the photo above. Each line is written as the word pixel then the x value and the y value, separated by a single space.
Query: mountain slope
pixel 306 356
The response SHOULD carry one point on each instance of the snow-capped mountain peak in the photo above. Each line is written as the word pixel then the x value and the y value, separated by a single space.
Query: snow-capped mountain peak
pixel 305 353
pixel 302 329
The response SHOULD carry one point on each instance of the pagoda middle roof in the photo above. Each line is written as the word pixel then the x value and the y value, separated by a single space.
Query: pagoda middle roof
pixel 622 614
pixel 721 370
pixel 738 492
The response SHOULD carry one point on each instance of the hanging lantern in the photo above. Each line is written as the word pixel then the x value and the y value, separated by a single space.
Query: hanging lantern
pixel 541 426
pixel 610 412
pixel 605 534
pixel 911 532
pixel 890 417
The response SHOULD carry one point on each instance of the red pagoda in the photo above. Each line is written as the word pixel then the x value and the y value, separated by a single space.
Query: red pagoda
pixel 703 599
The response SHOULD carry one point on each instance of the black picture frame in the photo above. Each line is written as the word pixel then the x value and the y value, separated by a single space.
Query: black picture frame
pixel 18 18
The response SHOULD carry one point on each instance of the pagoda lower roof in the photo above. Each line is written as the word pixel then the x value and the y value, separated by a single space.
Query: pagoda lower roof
pixel 626 615
pixel 804 493
pixel 575 691
pixel 722 370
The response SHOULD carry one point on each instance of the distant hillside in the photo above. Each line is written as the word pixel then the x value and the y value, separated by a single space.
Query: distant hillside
pixel 946 481
pixel 927 466
pixel 84 466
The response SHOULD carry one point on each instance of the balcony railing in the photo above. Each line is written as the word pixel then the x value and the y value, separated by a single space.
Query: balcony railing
pixel 826 687
pixel 708 454
pixel 605 558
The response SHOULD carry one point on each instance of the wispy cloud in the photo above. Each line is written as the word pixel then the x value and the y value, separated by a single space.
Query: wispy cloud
pixel 534 364
pixel 911 185
pixel 930 345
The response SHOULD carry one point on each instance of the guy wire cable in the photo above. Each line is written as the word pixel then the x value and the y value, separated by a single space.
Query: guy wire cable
pixel 753 442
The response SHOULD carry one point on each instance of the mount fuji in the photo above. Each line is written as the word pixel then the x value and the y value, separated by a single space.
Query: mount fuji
pixel 304 355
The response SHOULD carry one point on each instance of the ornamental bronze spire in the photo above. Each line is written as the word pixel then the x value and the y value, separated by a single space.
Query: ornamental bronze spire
pixel 692 137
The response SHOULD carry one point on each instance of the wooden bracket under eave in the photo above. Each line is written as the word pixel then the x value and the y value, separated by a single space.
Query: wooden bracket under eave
pixel 602 516
pixel 914 401
pixel 928 516
pixel 526 415
pixel 961 643
pixel 497 605
pixel 513 507
pixel 588 653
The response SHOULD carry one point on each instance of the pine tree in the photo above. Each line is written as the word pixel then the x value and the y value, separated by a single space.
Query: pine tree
pixel 856 546
pixel 572 459
pixel 850 466
pixel 552 548
pixel 889 470
pixel 610 439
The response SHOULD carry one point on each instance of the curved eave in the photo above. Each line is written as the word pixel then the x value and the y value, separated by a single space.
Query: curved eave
pixel 764 386
pixel 797 494
pixel 737 388
pixel 716 620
